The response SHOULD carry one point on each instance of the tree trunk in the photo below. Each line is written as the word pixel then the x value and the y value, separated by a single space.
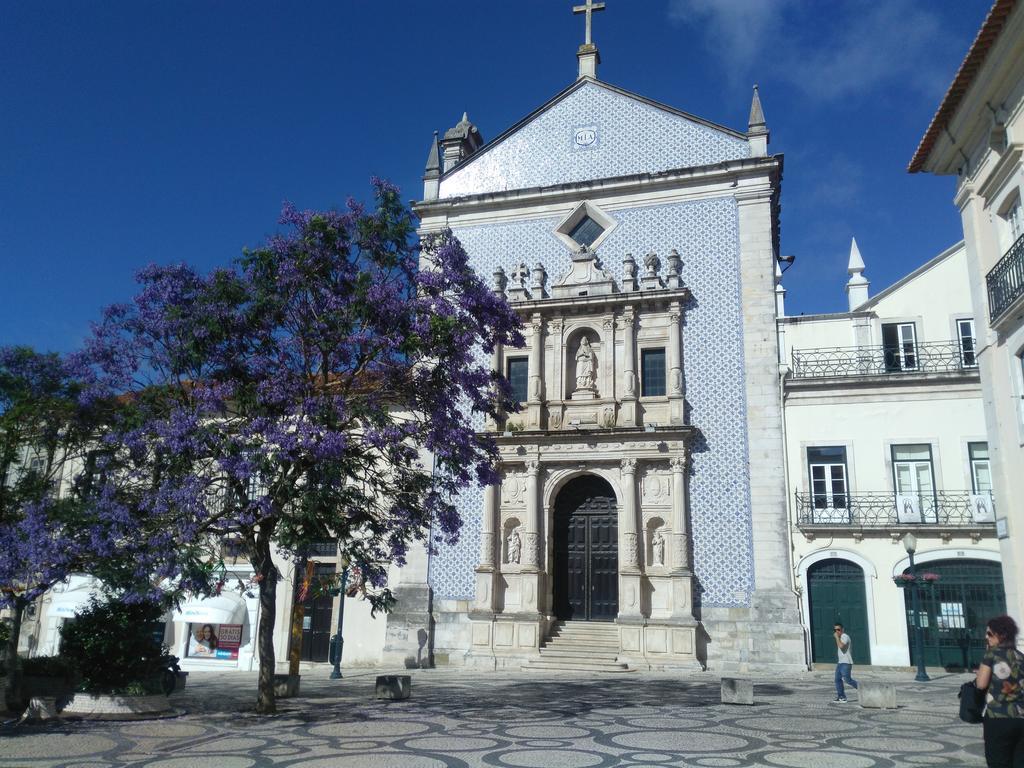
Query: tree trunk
pixel 264 564
pixel 12 696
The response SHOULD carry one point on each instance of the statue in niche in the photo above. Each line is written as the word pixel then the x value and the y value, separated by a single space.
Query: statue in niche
pixel 515 547
pixel 658 548
pixel 585 365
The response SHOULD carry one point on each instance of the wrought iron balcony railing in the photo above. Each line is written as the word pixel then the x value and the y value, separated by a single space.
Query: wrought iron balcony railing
pixel 922 357
pixel 941 509
pixel 1006 280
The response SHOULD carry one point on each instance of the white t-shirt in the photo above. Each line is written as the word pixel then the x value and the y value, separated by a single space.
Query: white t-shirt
pixel 845 657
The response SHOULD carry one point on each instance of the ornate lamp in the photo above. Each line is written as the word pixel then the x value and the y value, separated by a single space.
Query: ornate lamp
pixel 910 544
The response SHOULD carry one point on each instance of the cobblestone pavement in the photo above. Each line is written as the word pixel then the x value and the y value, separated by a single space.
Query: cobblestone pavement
pixel 460 718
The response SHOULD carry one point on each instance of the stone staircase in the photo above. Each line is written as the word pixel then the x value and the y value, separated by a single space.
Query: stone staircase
pixel 580 646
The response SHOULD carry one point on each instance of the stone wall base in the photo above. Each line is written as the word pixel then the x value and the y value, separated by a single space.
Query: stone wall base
pixel 766 637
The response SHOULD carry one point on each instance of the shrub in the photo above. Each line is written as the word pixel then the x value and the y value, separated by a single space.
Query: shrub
pixel 48 666
pixel 113 647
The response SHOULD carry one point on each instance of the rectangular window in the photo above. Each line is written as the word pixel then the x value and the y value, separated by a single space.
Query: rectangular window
pixel 914 478
pixel 652 373
pixel 1014 228
pixel 981 471
pixel 517 371
pixel 827 471
pixel 899 347
pixel 965 335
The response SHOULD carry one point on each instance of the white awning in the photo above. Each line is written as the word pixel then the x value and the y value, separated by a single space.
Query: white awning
pixel 66 600
pixel 221 609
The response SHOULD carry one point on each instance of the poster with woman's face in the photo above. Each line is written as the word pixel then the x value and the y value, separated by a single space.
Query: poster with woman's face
pixel 214 641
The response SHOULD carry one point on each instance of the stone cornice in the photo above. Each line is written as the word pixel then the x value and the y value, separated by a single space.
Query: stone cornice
pixel 746 168
pixel 596 445
pixel 577 304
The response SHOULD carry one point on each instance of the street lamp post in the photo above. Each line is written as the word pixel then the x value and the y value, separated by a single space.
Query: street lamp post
pixel 910 544
pixel 338 641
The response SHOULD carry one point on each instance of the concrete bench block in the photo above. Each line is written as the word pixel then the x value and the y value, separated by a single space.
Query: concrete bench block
pixel 737 691
pixel 394 687
pixel 877 695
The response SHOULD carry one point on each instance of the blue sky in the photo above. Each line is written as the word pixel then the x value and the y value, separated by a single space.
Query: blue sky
pixel 139 131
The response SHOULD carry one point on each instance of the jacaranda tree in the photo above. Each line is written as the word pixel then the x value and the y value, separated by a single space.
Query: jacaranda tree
pixel 59 514
pixel 293 397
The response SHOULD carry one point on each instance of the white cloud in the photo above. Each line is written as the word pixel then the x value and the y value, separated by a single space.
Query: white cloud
pixel 736 30
pixel 830 50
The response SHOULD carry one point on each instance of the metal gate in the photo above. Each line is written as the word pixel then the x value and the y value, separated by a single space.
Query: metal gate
pixel 954 612
pixel 586 562
pixel 835 593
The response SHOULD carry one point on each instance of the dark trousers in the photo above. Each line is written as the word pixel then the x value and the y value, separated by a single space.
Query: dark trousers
pixel 1004 742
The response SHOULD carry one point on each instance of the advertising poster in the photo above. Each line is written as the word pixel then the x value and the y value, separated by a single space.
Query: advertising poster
pixel 214 641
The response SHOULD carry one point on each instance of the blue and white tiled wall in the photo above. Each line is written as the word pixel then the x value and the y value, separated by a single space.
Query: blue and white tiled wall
pixel 630 137
pixel 705 232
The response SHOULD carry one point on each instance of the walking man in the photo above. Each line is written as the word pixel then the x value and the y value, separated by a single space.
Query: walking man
pixel 844 663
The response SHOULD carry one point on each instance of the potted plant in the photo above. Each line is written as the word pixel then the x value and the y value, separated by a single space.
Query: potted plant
pixel 121 665
pixel 904 580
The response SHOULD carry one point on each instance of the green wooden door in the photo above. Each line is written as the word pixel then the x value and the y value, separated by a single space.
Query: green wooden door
pixel 835 593
pixel 954 611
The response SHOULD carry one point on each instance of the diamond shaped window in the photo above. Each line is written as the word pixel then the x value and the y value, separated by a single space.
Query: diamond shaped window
pixel 587 225
pixel 586 232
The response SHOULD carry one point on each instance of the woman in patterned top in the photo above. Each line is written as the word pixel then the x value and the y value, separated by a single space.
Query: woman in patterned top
pixel 1002 672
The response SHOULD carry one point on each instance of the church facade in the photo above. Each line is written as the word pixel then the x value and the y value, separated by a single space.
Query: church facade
pixel 642 476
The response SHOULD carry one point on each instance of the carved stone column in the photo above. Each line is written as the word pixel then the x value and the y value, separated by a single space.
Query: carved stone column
pixel 532 514
pixel 556 388
pixel 627 409
pixel 536 386
pixel 496 366
pixel 629 560
pixel 680 541
pixel 530 573
pixel 486 571
pixel 681 601
pixel 675 365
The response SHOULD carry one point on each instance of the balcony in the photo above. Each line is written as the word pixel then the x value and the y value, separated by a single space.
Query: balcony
pixel 921 357
pixel 1006 281
pixel 881 511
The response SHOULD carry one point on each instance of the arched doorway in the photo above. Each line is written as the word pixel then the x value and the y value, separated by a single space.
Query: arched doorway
pixel 954 612
pixel 586 556
pixel 835 593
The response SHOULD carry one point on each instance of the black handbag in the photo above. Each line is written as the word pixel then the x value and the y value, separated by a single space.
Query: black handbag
pixel 972 703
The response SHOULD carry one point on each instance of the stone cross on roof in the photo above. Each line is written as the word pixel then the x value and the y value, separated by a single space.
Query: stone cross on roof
pixel 588 9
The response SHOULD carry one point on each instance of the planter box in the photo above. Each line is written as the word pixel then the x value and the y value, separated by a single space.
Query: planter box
pixel 114 706
pixel 179 683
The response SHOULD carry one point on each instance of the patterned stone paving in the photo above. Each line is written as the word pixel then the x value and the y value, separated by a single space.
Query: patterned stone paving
pixel 457 719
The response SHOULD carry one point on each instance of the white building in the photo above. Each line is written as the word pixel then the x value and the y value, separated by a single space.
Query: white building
pixel 641 498
pixel 977 135
pixel 885 435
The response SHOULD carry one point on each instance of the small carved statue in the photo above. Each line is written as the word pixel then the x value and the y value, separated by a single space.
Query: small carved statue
pixel 652 263
pixel 519 274
pixel 658 548
pixel 500 281
pixel 629 266
pixel 515 547
pixel 540 277
pixel 585 365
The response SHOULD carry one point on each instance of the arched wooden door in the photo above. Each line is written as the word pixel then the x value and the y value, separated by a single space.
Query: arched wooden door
pixel 586 551
pixel 836 593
